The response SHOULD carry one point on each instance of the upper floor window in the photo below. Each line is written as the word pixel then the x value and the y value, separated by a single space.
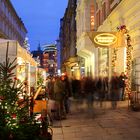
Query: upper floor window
pixel 104 11
pixel 96 6
pixel 114 3
pixel 92 20
pixel 111 1
pixel 98 18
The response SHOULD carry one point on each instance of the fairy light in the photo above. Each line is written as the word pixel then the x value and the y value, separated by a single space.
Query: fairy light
pixel 114 58
pixel 128 58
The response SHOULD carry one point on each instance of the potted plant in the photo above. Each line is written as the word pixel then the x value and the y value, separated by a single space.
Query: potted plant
pixel 134 101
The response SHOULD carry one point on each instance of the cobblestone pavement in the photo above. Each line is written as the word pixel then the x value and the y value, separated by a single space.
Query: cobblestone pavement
pixel 99 123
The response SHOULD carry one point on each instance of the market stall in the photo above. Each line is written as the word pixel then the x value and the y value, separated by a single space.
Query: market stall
pixel 26 69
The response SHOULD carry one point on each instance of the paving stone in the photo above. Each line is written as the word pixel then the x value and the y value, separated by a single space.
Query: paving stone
pixel 69 135
pixel 103 124
pixel 57 130
pixel 113 137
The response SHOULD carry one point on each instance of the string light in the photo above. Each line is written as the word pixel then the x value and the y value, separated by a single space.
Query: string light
pixel 114 59
pixel 128 59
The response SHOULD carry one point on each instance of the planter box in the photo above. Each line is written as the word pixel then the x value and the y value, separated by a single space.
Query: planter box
pixel 39 106
pixel 135 106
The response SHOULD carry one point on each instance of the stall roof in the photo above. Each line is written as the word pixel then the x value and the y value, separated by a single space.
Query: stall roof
pixel 16 50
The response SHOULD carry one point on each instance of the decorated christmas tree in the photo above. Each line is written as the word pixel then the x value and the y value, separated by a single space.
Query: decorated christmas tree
pixel 16 121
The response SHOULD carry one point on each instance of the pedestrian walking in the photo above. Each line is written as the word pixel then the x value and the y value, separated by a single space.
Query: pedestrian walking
pixel 122 85
pixel 89 91
pixel 114 90
pixel 67 92
pixel 59 94
pixel 100 90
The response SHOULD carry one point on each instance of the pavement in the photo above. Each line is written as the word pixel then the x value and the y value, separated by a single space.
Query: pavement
pixel 98 123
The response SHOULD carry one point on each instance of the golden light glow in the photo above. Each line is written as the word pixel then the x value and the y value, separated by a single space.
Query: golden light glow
pixel 129 49
pixel 105 39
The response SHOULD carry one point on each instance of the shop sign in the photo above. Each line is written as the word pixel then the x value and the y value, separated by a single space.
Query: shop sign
pixel 105 39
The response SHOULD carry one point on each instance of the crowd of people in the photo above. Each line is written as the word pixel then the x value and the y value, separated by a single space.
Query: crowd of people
pixel 61 88
pixel 58 90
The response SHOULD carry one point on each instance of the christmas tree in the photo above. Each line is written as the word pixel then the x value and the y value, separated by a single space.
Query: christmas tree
pixel 16 122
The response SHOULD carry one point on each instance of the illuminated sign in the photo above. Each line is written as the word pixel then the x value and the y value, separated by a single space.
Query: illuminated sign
pixel 105 39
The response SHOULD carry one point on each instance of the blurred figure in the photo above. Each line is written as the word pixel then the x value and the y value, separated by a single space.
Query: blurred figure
pixel 76 92
pixel 76 88
pixel 89 91
pixel 44 122
pixel 59 93
pixel 51 88
pixel 100 90
pixel 106 88
pixel 83 79
pixel 67 91
pixel 114 90
pixel 122 85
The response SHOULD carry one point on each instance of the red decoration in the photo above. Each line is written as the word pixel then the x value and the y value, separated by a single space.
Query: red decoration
pixel 13 116
pixel 9 70
pixel 1 97
pixel 15 78
pixel 25 83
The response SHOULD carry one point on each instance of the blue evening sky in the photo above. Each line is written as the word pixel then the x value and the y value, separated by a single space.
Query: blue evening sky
pixel 41 18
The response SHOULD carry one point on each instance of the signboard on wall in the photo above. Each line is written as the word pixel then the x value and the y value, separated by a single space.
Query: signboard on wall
pixel 107 39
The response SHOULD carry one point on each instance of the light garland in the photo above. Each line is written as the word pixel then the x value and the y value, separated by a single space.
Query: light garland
pixel 128 59
pixel 114 59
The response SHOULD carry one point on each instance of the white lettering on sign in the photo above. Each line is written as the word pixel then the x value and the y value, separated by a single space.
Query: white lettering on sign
pixel 105 39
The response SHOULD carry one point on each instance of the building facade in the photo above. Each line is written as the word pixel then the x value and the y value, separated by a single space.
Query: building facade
pixel 50 59
pixel 58 56
pixel 68 40
pixel 109 16
pixel 38 56
pixel 113 14
pixel 108 56
pixel 85 22
pixel 11 25
pixel 60 43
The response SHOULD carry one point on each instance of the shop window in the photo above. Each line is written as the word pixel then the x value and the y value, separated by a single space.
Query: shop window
pixel 98 18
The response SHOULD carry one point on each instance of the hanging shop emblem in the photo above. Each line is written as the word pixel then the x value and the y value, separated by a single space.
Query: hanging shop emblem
pixel 105 39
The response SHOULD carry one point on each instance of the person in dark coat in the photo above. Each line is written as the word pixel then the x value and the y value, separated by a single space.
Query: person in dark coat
pixel 76 88
pixel 100 90
pixel 114 90
pixel 67 91
pixel 89 91
pixel 122 79
pixel 59 93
